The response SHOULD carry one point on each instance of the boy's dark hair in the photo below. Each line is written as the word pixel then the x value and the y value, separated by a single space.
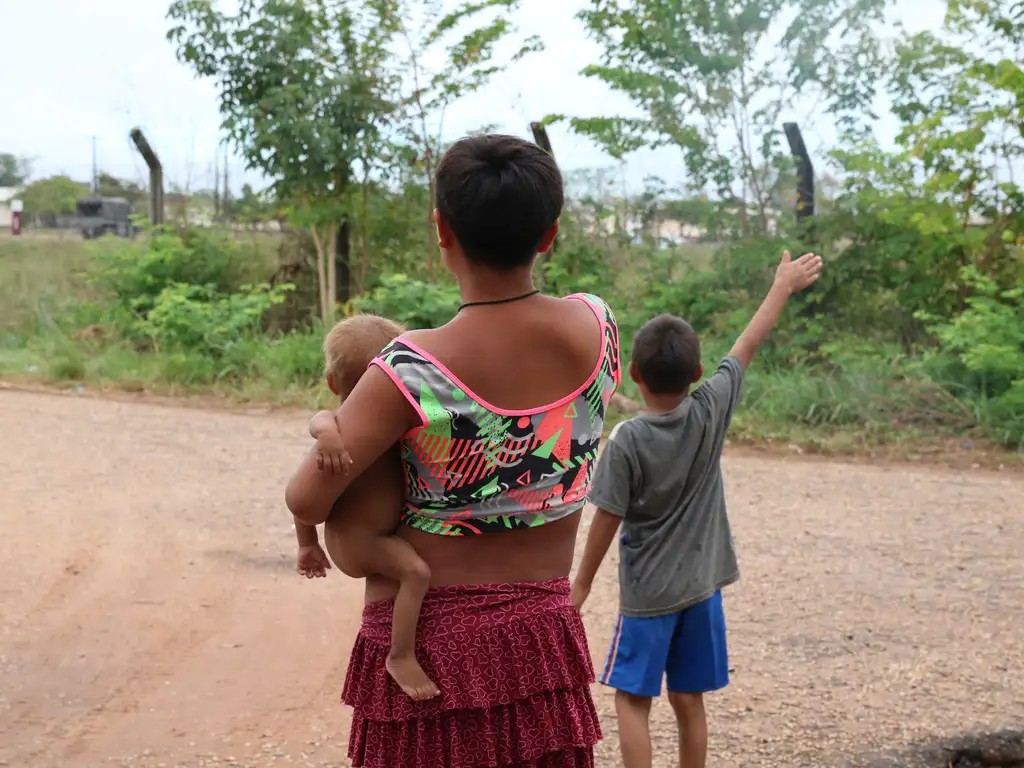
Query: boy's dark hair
pixel 666 353
pixel 499 194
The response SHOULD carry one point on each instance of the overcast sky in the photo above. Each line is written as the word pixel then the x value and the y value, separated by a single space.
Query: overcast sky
pixel 77 69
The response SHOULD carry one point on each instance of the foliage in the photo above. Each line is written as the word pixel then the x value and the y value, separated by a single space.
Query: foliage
pixel 913 331
pixel 465 36
pixel 303 96
pixel 14 170
pixel 46 199
pixel 201 318
pixel 254 207
pixel 136 273
pixel 111 186
pixel 713 79
pixel 982 353
pixel 411 302
pixel 315 97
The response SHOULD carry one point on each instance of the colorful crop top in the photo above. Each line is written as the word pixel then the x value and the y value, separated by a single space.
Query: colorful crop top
pixel 472 467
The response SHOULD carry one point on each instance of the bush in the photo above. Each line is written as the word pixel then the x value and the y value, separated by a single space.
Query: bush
pixel 412 302
pixel 135 273
pixel 982 354
pixel 201 318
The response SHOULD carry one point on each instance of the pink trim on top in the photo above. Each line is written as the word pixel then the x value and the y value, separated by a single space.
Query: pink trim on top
pixel 506 411
pixel 405 393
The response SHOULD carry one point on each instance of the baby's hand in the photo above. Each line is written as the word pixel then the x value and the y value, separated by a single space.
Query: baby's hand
pixel 332 456
pixel 312 562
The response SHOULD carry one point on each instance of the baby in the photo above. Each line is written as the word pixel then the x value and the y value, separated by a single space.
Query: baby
pixel 360 531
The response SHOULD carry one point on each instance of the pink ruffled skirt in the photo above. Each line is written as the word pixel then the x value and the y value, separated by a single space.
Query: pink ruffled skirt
pixel 514 670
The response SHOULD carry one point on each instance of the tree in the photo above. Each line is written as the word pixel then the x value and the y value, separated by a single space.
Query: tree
pixel 303 92
pixel 111 186
pixel 47 199
pixel 713 78
pixel 253 207
pixel 465 39
pixel 330 98
pixel 962 109
pixel 922 221
pixel 13 170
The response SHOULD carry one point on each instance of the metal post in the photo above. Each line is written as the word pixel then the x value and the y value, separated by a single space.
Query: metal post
pixel 804 173
pixel 156 178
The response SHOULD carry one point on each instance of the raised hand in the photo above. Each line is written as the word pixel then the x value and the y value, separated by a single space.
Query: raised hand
pixel 795 275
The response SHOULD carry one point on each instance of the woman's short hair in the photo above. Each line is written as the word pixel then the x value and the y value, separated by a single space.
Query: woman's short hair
pixel 500 195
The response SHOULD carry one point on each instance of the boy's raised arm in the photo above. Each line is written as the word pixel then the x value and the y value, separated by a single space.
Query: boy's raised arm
pixel 790 277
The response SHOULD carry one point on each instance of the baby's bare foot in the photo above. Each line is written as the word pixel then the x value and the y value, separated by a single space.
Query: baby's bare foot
pixel 411 678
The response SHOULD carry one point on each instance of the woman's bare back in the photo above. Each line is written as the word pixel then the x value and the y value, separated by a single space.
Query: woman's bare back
pixel 515 358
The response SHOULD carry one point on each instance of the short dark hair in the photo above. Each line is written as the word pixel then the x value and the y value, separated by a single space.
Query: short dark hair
pixel 666 353
pixel 500 195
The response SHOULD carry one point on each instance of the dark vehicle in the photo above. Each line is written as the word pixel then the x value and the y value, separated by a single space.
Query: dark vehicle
pixel 98 216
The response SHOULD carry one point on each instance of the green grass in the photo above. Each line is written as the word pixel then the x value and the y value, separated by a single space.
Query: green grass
pixel 55 329
pixel 38 276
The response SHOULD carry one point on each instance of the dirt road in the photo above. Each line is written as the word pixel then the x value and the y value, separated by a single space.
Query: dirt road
pixel 150 614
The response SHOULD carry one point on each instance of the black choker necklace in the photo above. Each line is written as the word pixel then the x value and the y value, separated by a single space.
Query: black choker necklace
pixel 520 297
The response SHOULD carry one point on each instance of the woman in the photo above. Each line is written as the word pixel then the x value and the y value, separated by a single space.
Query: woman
pixel 498 413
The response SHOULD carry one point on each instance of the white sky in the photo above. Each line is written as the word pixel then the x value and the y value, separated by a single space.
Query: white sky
pixel 77 69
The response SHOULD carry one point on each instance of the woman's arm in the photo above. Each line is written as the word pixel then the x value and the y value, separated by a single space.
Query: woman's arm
pixel 372 419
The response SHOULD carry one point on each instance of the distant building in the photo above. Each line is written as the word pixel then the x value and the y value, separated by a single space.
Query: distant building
pixel 7 194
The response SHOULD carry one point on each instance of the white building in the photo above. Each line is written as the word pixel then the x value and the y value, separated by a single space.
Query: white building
pixel 7 194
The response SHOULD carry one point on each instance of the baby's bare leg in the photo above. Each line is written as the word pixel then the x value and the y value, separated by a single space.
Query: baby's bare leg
pixel 395 558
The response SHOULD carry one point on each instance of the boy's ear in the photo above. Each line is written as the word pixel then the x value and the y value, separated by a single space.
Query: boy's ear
pixel 700 373
pixel 634 374
pixel 332 386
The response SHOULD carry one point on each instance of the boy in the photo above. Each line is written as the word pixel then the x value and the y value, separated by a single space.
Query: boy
pixel 660 476
pixel 360 531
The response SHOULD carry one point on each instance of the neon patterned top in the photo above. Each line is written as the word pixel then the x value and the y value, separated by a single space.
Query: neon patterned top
pixel 471 467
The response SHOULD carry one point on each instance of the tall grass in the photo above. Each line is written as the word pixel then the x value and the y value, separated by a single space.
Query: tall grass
pixel 56 328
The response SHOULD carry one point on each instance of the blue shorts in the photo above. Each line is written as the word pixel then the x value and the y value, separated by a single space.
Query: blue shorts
pixel 688 648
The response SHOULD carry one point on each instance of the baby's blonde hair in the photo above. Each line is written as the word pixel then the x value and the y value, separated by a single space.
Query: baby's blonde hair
pixel 352 344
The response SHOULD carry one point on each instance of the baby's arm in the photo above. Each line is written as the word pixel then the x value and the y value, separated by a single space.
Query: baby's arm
pixel 332 456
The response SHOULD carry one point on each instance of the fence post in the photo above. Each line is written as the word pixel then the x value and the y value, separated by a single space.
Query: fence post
pixel 156 177
pixel 804 173
pixel 540 138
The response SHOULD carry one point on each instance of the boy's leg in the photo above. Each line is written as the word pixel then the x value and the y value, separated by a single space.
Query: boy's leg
pixel 698 663
pixel 693 728
pixel 634 716
pixel 634 668
pixel 396 559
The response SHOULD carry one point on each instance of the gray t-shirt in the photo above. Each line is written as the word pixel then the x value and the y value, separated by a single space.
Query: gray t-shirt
pixel 662 474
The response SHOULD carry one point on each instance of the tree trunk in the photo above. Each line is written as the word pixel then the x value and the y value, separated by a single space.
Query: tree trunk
pixel 364 244
pixel 332 273
pixel 321 273
pixel 343 263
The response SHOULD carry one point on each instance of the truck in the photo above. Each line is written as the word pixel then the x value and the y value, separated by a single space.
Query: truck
pixel 98 216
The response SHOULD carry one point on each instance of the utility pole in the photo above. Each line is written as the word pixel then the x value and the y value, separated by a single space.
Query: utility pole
pixel 227 189
pixel 216 185
pixel 95 172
